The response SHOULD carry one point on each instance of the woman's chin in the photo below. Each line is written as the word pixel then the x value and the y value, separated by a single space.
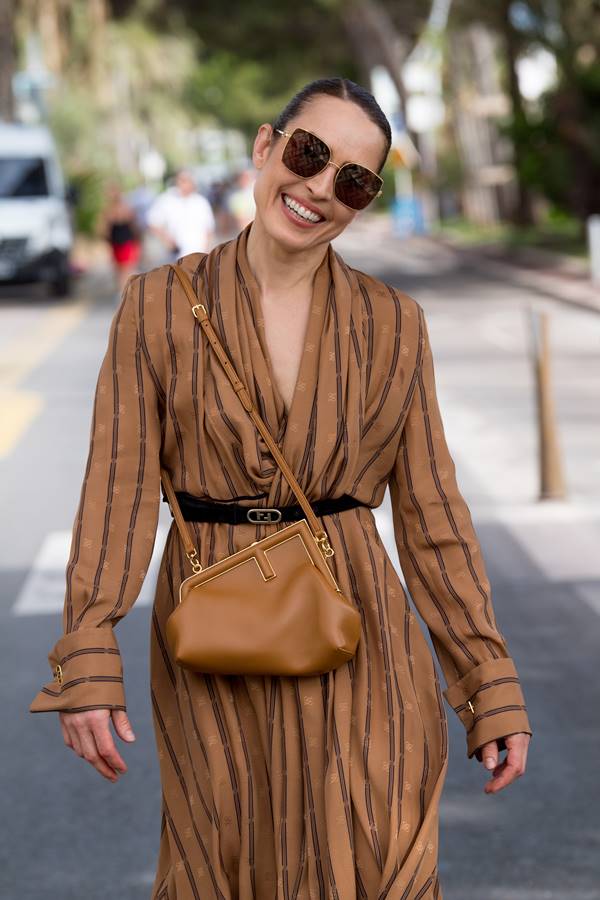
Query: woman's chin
pixel 286 234
pixel 290 235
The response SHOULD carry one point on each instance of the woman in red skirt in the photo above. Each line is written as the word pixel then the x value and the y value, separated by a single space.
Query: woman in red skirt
pixel 120 228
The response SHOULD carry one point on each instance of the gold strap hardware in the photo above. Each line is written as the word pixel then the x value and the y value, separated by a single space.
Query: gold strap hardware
pixel 58 674
pixel 323 543
pixel 199 306
pixel 194 561
pixel 471 707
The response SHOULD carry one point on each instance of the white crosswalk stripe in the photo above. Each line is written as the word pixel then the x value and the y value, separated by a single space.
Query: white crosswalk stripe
pixel 43 590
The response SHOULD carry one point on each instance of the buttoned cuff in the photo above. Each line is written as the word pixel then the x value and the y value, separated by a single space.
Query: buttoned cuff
pixel 489 702
pixel 88 673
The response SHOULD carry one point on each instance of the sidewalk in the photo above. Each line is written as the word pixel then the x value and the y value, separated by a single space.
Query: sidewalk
pixel 555 275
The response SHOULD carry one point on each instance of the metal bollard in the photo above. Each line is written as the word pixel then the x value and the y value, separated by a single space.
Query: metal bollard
pixel 552 482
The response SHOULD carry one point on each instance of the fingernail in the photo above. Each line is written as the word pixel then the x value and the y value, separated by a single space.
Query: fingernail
pixel 130 735
pixel 489 762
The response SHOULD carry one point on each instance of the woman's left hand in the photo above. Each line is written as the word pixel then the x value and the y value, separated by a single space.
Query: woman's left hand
pixel 513 764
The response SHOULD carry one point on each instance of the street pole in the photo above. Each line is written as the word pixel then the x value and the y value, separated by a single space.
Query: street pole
pixel 593 234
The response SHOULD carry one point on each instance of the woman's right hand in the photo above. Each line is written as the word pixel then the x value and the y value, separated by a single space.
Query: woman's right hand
pixel 89 736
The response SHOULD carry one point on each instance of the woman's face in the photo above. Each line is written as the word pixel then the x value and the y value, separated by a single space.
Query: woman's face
pixel 351 137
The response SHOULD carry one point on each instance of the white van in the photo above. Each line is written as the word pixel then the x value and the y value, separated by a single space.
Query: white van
pixel 36 236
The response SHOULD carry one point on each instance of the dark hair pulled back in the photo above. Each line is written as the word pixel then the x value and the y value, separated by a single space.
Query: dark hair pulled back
pixel 345 89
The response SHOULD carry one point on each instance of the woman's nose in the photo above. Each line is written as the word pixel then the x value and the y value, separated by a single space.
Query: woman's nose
pixel 321 185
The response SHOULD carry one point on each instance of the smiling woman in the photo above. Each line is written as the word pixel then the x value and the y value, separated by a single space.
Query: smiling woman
pixel 327 164
pixel 320 786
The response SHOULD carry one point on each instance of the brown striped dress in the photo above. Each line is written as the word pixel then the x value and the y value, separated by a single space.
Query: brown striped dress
pixel 281 788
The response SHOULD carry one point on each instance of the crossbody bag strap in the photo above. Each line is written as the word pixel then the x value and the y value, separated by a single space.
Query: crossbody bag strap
pixel 199 311
pixel 188 544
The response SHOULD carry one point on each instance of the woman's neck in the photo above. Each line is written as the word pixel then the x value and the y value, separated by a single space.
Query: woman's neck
pixel 277 270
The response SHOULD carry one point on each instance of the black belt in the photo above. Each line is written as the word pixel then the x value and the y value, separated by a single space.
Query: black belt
pixel 196 510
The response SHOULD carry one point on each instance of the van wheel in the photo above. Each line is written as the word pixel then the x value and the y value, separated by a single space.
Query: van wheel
pixel 60 285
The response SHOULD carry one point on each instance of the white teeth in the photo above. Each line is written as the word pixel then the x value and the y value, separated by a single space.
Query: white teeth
pixel 301 210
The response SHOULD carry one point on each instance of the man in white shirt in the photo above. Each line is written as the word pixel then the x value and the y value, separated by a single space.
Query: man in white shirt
pixel 182 218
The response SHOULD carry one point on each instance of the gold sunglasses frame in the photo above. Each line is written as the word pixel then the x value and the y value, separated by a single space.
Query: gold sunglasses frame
pixel 288 135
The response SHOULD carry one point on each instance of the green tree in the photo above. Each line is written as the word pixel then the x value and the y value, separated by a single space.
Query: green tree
pixel 255 57
pixel 557 142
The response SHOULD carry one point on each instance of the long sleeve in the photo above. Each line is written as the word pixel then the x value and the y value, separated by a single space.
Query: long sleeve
pixel 115 524
pixel 442 562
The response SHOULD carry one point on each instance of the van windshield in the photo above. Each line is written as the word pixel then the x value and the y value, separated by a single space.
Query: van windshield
pixel 21 177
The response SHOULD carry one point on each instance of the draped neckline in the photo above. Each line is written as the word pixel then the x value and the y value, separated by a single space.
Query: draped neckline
pixel 307 376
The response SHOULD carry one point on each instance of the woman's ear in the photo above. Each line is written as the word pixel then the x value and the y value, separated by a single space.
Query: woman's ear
pixel 262 145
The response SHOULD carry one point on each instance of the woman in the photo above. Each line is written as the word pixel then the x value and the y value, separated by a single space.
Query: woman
pixel 324 786
pixel 119 226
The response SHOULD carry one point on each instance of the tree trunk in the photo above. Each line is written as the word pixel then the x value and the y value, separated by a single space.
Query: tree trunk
pixel 471 50
pixel 98 15
pixel 375 39
pixel 8 60
pixel 50 25
pixel 523 211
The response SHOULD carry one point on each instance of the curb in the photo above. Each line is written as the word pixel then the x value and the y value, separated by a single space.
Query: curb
pixel 560 283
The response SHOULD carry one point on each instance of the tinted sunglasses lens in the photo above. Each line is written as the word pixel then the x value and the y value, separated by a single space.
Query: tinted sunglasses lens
pixel 305 155
pixel 356 186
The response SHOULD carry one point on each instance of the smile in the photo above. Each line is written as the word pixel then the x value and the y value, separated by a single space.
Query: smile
pixel 300 211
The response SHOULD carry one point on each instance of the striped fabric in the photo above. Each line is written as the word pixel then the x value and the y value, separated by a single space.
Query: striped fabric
pixel 287 788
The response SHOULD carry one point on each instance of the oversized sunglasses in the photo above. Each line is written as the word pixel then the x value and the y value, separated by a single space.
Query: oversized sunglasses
pixel 305 155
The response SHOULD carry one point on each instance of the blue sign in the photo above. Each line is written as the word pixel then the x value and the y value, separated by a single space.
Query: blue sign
pixel 407 216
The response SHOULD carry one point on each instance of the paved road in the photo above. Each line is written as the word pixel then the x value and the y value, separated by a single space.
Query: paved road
pixel 69 833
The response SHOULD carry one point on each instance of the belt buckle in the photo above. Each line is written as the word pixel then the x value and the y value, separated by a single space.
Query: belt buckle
pixel 264 514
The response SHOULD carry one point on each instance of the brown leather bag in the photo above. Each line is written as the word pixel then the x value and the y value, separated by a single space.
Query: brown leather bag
pixel 273 608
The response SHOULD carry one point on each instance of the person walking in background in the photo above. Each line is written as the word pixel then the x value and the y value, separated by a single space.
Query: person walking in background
pixel 182 218
pixel 240 200
pixel 118 224
pixel 218 194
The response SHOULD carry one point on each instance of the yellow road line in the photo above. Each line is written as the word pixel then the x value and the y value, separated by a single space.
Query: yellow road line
pixel 18 408
pixel 30 349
